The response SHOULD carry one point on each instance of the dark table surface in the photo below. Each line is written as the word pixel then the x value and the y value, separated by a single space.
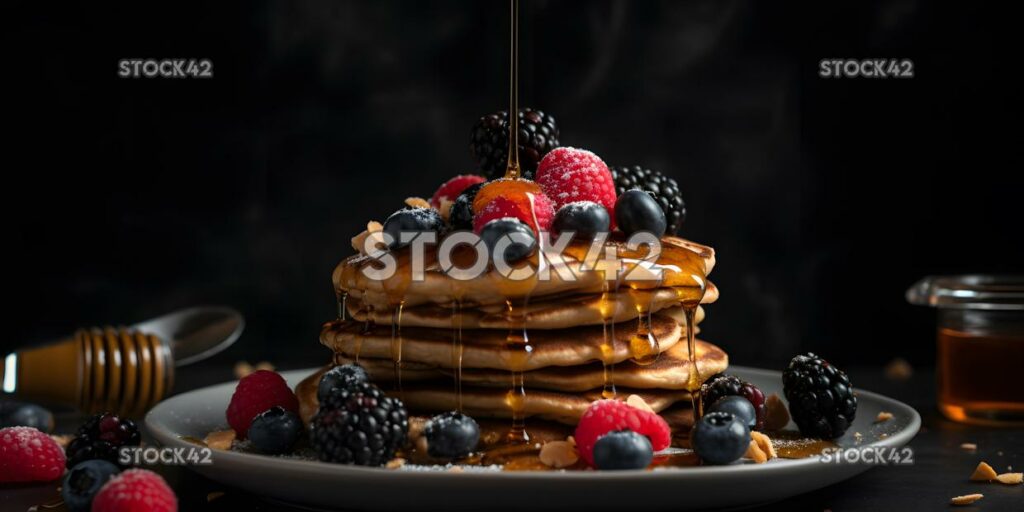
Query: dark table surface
pixel 939 471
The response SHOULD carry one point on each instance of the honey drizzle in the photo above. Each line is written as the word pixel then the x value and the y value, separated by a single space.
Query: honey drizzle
pixel 517 346
pixel 694 380
pixel 643 345
pixel 457 350
pixel 608 306
pixel 512 170
pixel 396 343
pixel 342 297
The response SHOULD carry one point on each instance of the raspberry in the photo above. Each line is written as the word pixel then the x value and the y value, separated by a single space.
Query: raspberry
pixel 28 455
pixel 568 175
pixel 135 490
pixel 604 416
pixel 517 207
pixel 451 189
pixel 256 393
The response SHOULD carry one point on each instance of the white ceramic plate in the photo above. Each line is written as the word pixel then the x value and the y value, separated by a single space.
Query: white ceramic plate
pixel 334 486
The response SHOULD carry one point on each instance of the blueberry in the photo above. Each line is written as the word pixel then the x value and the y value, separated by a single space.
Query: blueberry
pixel 275 430
pixel 720 438
pixel 340 377
pixel 586 218
pixel 623 449
pixel 83 481
pixel 737 406
pixel 451 435
pixel 412 219
pixel 494 230
pixel 26 415
pixel 636 210
pixel 460 216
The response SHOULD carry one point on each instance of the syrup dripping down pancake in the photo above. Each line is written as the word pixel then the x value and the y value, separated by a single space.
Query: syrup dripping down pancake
pixel 670 371
pixel 551 313
pixel 486 348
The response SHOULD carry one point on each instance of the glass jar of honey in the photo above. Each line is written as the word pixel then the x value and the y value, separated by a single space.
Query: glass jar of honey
pixel 980 355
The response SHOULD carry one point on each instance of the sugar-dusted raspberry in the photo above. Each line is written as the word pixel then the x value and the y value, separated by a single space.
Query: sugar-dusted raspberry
pixel 568 175
pixel 519 207
pixel 135 490
pixel 451 189
pixel 604 416
pixel 28 455
pixel 256 393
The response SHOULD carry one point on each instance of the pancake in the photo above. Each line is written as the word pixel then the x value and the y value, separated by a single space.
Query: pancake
pixel 565 277
pixel 670 371
pixel 551 313
pixel 482 402
pixel 550 405
pixel 486 348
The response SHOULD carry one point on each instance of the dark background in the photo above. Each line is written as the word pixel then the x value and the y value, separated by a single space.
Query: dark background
pixel 825 198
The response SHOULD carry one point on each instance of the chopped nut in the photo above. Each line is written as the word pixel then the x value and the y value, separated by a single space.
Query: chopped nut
pixel 1010 478
pixel 395 463
pixel 883 416
pixel 417 202
pixel 971 447
pixel 243 369
pixel 983 473
pixel 776 417
pixel 898 369
pixel 764 443
pixel 966 499
pixel 857 436
pixel 558 454
pixel 416 426
pixel 755 453
pixel 638 402
pixel 220 440
pixel 372 229
pixel 265 365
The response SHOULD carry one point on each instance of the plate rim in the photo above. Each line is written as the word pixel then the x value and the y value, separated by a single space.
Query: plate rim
pixel 166 438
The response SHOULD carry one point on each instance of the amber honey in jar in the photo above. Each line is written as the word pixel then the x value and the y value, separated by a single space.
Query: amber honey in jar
pixel 980 346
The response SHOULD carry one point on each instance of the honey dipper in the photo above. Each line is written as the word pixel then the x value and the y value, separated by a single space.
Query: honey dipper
pixel 124 369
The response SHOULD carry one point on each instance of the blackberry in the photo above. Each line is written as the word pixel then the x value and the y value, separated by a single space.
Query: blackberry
pixel 821 399
pixel 664 189
pixel 460 216
pixel 721 385
pixel 538 134
pixel 100 438
pixel 359 425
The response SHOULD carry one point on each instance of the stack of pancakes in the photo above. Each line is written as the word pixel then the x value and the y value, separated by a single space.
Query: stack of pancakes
pixel 438 354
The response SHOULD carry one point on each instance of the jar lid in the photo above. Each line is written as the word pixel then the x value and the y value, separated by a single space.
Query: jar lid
pixel 975 291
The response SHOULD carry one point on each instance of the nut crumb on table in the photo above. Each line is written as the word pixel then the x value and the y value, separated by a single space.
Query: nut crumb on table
pixel 983 473
pixel 966 499
pixel 1010 478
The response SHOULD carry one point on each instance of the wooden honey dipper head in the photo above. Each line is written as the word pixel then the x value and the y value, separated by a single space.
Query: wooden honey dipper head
pixel 121 370
pixel 124 370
